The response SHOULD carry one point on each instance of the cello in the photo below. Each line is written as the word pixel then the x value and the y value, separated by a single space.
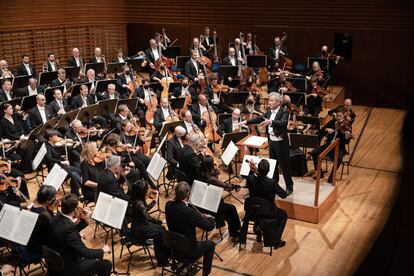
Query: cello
pixel 151 104
pixel 210 131
pixel 285 63
pixel 244 71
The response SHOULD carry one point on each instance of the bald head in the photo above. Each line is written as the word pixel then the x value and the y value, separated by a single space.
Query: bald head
pixel 235 115
pixel 180 131
pixel 3 64
pixel 324 49
pixel 75 52
pixel 347 104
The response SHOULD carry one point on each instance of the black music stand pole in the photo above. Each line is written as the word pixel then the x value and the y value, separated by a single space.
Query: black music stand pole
pixel 113 255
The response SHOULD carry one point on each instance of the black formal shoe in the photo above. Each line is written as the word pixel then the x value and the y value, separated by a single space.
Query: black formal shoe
pixel 279 245
pixel 289 190
pixel 329 179
pixel 259 238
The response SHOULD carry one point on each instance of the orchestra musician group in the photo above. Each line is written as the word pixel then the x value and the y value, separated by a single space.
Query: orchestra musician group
pixel 109 151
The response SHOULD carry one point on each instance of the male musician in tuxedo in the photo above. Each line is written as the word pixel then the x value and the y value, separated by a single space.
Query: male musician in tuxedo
pixel 231 124
pixel 75 60
pixel 110 93
pixel 59 105
pixel 276 52
pixel 111 180
pixel 122 114
pixel 183 219
pixel 197 111
pixel 239 51
pixel 347 108
pixel 32 88
pixel 162 113
pixel 189 159
pixel 173 148
pixel 25 68
pixel 39 114
pixel 208 42
pixel 193 67
pixel 119 56
pixel 73 133
pixel 51 64
pixel 4 69
pixel 152 54
pixel 261 186
pixel 97 57
pixel 184 90
pixel 275 120
pixel 231 58
pixel 188 123
pixel 78 258
pixel 143 93
pixel 91 78
pixel 123 82
pixel 62 80
pixel 197 47
pixel 331 132
pixel 6 93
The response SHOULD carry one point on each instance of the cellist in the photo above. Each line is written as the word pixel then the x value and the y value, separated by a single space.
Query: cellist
pixel 160 76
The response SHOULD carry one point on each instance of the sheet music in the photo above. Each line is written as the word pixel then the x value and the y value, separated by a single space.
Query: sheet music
pixel 156 166
pixel 245 169
pixel 110 210
pixel 56 177
pixel 17 225
pixel 205 196
pixel 229 153
pixel 39 157
pixel 255 141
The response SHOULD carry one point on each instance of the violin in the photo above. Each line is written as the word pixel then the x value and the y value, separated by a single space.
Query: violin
pixel 220 88
pixel 319 91
pixel 92 131
pixel 345 128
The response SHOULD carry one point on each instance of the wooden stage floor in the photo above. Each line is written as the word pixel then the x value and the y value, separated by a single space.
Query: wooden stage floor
pixel 336 245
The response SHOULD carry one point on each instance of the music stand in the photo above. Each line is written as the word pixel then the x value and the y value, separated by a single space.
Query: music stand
pixel 136 64
pixel 314 121
pixel 131 103
pixel 172 86
pixel 102 85
pixel 108 106
pixel 297 98
pixel 235 137
pixel 49 93
pixel 256 61
pixel 235 98
pixel 46 78
pixel 180 62
pixel 35 133
pixel 28 102
pixel 300 83
pixel 222 117
pixel 171 52
pixel 177 103
pixel 21 81
pixel 115 68
pixel 226 71
pixel 72 72
pixel 76 88
pixel 323 62
pixel 303 141
pixel 97 67
pixel 87 113
pixel 67 118
pixel 52 122
pixel 169 127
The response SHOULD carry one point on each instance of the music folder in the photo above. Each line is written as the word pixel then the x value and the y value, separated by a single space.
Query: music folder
pixel 56 176
pixel 97 67
pixel 115 68
pixel 39 156
pixel 235 137
pixel 131 103
pixel 110 210
pixel 205 196
pixel 245 169
pixel 46 78
pixel 72 72
pixel 156 166
pixel 67 118
pixel 49 93
pixel 28 102
pixel 102 85
pixel 229 153
pixel 17 224
pixel 107 107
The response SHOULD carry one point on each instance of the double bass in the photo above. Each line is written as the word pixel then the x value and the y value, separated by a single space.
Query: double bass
pixel 151 104
pixel 285 63
pixel 210 131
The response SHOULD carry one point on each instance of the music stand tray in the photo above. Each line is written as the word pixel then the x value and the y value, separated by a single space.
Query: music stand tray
pixel 256 61
pixel 49 93
pixel 67 118
pixel 28 102
pixel 300 83
pixel 72 72
pixel 46 78
pixel 222 117
pixel 226 71
pixel 314 121
pixel 131 103
pixel 102 85
pixel 177 103
pixel 172 86
pixel 87 113
pixel 298 140
pixel 52 122
pixel 115 68
pixel 235 137
pixel 97 67
pixel 108 106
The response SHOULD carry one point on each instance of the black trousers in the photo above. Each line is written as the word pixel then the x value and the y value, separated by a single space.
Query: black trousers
pixel 315 153
pixel 281 217
pixel 206 249
pixel 280 151
pixel 227 212
pixel 95 266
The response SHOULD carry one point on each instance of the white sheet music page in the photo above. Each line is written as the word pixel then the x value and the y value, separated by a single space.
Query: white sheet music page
pixel 110 210
pixel 255 141
pixel 55 177
pixel 39 157
pixel 212 198
pixel 156 166
pixel 198 190
pixel 245 169
pixel 17 225
pixel 229 153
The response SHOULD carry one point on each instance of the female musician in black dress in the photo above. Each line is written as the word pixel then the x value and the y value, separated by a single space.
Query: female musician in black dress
pixel 90 171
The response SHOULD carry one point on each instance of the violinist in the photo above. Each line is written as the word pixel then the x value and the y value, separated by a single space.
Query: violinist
pixel 59 105
pixel 230 125
pixel 54 156
pixel 335 128
pixel 285 86
pixel 110 93
pixel 193 68
pixel 231 58
pixel 143 93
pixel 123 114
pixel 174 145
pixel 90 171
pixel 314 99
pixel 347 108
pixel 252 88
pixel 8 194
pixel 131 137
pixel 91 78
pixel 62 80
pixel 316 72
pixel 112 179
pixel 276 52
pixel 186 90
pixel 333 59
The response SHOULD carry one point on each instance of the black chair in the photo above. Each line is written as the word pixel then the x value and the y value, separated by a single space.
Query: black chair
pixel 128 239
pixel 177 243
pixel 255 210
pixel 54 262
pixel 24 258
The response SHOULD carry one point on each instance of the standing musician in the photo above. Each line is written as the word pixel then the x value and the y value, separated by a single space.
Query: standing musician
pixel 162 114
pixel 174 146
pixel 39 114
pixel 54 156
pixel 347 108
pixel 239 51
pixel 91 169
pixel 251 47
pixel 185 90
pixel 62 80
pixel 231 124
pixel 97 57
pixel 193 68
pixel 32 88
pixel 152 54
pixel 25 68
pixel 183 219
pixel 231 58
pixel 208 42
pixel 59 105
pixel 76 60
pixel 78 259
pixel 333 59
pixel 197 47
pixel 314 99
pixel 123 82
pixel 119 56
pixel 276 120
pixel 335 128
pixel 51 64
pixel 6 93
pixel 197 111
pixel 276 52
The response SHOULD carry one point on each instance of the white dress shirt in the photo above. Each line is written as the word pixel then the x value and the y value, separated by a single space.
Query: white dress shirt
pixel 42 112
pixel 9 98
pixel 28 68
pixel 195 64
pixel 202 109
pixel 232 61
pixel 166 112
pixel 31 91
pixel 272 135
pixel 189 126
pixel 155 53
pixel 77 61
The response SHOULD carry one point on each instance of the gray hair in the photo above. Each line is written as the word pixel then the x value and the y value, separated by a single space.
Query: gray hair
pixel 113 161
pixel 277 96
pixel 122 107
pixel 193 140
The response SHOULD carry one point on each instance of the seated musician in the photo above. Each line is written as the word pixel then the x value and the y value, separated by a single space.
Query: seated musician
pixel 90 171
pixel 174 145
pixel 32 88
pixel 314 99
pixel 25 68
pixel 198 110
pixel 188 123
pixel 215 97
pixel 123 82
pixel 251 106
pixel 4 70
pixel 39 114
pixel 316 72
pixel 91 78
pixel 45 205
pixel 152 54
pixel 231 58
pixel 251 47
pixel 111 181
pixel 276 52
pixel 239 51
pixel 75 60
pixel 54 156
pixel 78 259
pixel 162 114
pixel 59 105
pixel 261 186
pixel 335 128
pixel 119 56
pixel 230 125
pixel 183 219
pixel 226 212
pixel 193 67
pixel 132 138
pixel 143 93
pixel 8 193
pixel 347 108
pixel 158 75
pixel 189 158
pixel 6 93
pixel 185 90
pixel 62 80
pixel 12 128
pixel 122 114
pixel 285 86
pixel 97 57
pixel 110 93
